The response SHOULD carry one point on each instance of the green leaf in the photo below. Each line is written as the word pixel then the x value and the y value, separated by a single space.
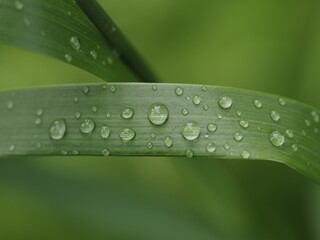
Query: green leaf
pixel 60 29
pixel 206 121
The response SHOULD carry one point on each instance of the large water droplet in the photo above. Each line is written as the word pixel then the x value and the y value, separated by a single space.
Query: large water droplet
pixel 127 134
pixel 127 113
pixel 87 126
pixel 189 153
pixel 275 116
pixel 237 137
pixel 245 154
pixel 276 138
pixel 211 127
pixel 225 102
pixel 105 132
pixel 168 142
pixel 75 43
pixel 158 114
pixel 179 91
pixel 211 147
pixel 257 103
pixel 196 100
pixel 244 124
pixel 190 130
pixel 57 129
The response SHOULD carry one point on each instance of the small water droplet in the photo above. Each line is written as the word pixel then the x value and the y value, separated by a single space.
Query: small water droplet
pixel 93 54
pixel 68 57
pixel 105 152
pixel 244 124
pixel 27 22
pixel 245 154
pixel 196 100
pixel 219 116
pixel 304 133
pixel 153 135
pixel 239 113
pixel 315 116
pixel 307 122
pixel 87 126
pixel 206 135
pixel 204 88
pixel 108 115
pixel 225 102
pixel 75 43
pixel 77 115
pixel 58 129
pixel 12 147
pixel 149 145
pixel 289 133
pixel 274 115
pixel 226 146
pixel 179 91
pixel 113 89
pixel 127 134
pixel 191 130
pixel 211 127
pixel 316 130
pixel 10 105
pixel 105 132
pixel 237 137
pixel 94 109
pixel 38 145
pixel 211 147
pixel 154 88
pixel 18 5
pixel 189 153
pixel 295 147
pixel 40 112
pixel 257 103
pixel 110 60
pixel 63 152
pixel 158 114
pixel 205 107
pixel 76 99
pixel 38 121
pixel 276 138
pixel 127 113
pixel 85 89
pixel 168 142
pixel 282 102
pixel 185 111
pixel 188 98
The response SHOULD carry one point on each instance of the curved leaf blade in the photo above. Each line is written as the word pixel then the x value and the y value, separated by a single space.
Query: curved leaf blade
pixel 47 26
pixel 105 103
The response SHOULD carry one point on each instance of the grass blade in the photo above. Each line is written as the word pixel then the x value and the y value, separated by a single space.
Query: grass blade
pixel 61 30
pixel 245 124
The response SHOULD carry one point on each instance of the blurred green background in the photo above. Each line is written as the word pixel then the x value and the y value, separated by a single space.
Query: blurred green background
pixel 267 45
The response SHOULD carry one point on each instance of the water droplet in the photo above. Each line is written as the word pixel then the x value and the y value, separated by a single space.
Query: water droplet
pixel 307 122
pixel 211 127
pixel 219 116
pixel 38 121
pixel 153 135
pixel 239 113
pixel 204 88
pixel 275 116
pixel 40 112
pixel 244 124
pixel 127 134
pixel 105 132
pixel 58 129
pixel 315 116
pixel 113 89
pixel 76 99
pixel 93 54
pixel 149 145
pixel 206 135
pixel 245 154
pixel 257 103
pixel 12 148
pixel 205 107
pixel 105 152
pixel 27 22
pixel 68 57
pixel 179 91
pixel 295 147
pixel 18 5
pixel 237 137
pixel 38 145
pixel 75 152
pixel 85 89
pixel 87 126
pixel 276 138
pixel 189 153
pixel 289 133
pixel 10 105
pixel 77 115
pixel 63 152
pixel 225 102
pixel 75 43
pixel 94 109
pixel 196 100
pixel 154 88
pixel 108 115
pixel 211 147
pixel 226 146
pixel 188 98
pixel 168 142
pixel 185 111
pixel 127 113
pixel 282 102
pixel 158 114
pixel 304 133
pixel 316 130
pixel 190 130
pixel 110 60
